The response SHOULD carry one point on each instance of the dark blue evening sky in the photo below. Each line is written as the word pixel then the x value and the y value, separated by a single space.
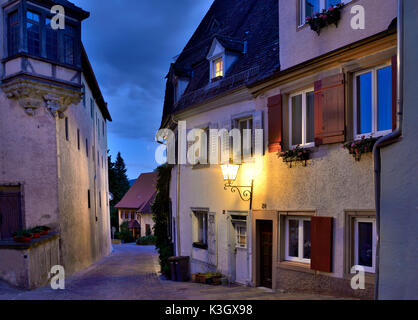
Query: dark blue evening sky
pixel 131 44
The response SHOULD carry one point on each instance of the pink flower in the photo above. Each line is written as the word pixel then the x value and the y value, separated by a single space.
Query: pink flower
pixel 353 145
pixel 331 9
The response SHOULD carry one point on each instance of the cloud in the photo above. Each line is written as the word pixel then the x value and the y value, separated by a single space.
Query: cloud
pixel 131 44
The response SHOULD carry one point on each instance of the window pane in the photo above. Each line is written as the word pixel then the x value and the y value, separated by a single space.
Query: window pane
pixel 293 238
pixel 332 3
pixel 33 38
pixel 297 120
pixel 13 41
pixel 32 16
pixel 69 49
pixel 51 41
pixel 310 118
pixel 306 239
pixel 365 244
pixel 312 6
pixel 364 103
pixel 384 99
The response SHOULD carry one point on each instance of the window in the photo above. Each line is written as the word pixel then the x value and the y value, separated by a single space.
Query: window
pixel 241 235
pixel 298 239
pixel 33 33
pixel 217 68
pixel 66 128
pixel 100 199
pixel 13 39
pixel 201 230
pixel 87 148
pixel 132 215
pixel 148 230
pixel 301 119
pixel 83 90
pixel 92 108
pixel 78 139
pixel 309 7
pixel 51 41
pixel 69 45
pixel 88 199
pixel 365 244
pixel 373 102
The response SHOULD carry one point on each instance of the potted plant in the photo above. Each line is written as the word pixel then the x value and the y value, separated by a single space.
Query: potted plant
pixel 325 18
pixel 36 232
pixel 359 147
pixel 44 230
pixel 22 236
pixel 295 155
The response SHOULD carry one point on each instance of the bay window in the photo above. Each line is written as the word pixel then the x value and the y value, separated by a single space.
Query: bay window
pixel 40 39
pixel 373 102
pixel 298 239
pixel 301 119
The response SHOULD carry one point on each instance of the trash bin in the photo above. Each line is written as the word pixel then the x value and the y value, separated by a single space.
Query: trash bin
pixel 172 261
pixel 182 269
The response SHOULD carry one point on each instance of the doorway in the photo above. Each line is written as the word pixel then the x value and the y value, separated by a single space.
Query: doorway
pixel 10 211
pixel 266 253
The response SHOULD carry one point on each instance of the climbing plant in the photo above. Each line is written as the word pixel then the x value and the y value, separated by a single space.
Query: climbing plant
pixel 161 213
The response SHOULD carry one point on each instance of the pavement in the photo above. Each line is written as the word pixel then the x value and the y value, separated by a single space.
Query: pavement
pixel 131 272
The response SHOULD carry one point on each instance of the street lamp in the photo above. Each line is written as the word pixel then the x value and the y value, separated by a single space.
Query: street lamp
pixel 230 172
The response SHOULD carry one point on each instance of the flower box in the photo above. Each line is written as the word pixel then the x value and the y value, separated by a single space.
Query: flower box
pixel 296 155
pixel 360 147
pixel 325 18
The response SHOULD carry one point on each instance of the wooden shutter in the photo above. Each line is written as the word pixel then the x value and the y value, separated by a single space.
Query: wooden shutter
pixel 330 110
pixel 394 90
pixel 225 147
pixel 275 120
pixel 321 243
pixel 257 125
pixel 10 213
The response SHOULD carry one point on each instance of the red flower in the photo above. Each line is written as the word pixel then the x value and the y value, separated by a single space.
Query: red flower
pixel 331 9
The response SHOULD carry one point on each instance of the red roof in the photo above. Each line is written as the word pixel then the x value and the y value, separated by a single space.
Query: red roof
pixel 142 193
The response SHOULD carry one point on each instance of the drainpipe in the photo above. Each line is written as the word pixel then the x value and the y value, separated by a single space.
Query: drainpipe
pixel 178 210
pixel 390 138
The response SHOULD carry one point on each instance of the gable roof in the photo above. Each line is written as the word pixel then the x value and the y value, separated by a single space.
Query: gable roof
pixel 233 23
pixel 141 195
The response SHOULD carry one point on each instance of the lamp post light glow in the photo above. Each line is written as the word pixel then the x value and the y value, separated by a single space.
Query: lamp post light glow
pixel 230 172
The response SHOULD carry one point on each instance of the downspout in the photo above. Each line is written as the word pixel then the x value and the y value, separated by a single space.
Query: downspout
pixel 390 138
pixel 178 211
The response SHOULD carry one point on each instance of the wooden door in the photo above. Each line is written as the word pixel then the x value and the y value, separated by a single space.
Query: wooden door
pixel 266 254
pixel 10 213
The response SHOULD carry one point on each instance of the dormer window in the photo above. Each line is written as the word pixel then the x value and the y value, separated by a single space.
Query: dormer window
pixel 218 69
pixel 180 85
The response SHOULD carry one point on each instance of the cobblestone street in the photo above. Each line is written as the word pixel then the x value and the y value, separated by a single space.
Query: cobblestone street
pixel 131 273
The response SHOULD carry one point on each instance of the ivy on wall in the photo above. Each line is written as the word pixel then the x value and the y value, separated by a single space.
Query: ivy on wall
pixel 161 213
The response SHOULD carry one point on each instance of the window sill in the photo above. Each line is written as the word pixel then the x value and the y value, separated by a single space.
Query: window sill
pixel 370 278
pixel 199 245
pixel 295 266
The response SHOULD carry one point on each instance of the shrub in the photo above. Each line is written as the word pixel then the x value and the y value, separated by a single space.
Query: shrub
pixel 146 241
pixel 125 234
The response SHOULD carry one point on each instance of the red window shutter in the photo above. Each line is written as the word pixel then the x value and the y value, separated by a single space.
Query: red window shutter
pixel 394 90
pixel 321 243
pixel 275 118
pixel 330 110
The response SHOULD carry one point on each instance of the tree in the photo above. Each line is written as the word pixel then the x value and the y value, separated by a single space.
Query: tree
pixel 118 185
